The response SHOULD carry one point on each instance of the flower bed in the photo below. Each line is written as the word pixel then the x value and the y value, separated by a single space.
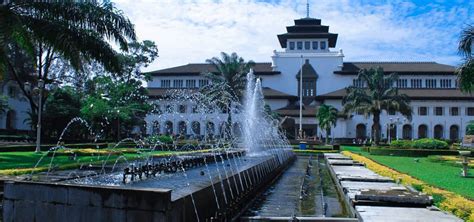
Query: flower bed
pixel 448 201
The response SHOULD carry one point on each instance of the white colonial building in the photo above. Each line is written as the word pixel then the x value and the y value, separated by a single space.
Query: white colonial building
pixel 440 110
pixel 13 119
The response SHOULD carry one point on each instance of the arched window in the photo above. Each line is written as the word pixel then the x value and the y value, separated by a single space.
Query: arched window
pixel 407 132
pixel 454 132
pixel 210 128
pixel 361 131
pixel 169 127
pixel 182 128
pixel 196 127
pixel 422 131
pixel 11 119
pixel 438 131
pixel 156 127
pixel 237 129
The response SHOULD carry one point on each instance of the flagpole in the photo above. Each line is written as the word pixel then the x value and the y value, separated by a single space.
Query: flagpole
pixel 301 99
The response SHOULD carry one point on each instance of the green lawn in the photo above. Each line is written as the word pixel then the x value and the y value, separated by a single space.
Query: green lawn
pixel 28 160
pixel 435 173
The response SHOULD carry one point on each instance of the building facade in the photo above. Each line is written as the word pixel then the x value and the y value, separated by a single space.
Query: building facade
pixel 440 109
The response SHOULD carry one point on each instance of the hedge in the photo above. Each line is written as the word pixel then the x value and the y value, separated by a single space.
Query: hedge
pixel 410 152
pixel 46 147
pixel 425 143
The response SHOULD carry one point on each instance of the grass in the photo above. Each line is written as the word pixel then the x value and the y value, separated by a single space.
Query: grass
pixel 15 163
pixel 440 175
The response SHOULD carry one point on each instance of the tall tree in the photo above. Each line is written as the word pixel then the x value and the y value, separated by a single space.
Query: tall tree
pixel 466 70
pixel 327 118
pixel 227 82
pixel 43 31
pixel 378 94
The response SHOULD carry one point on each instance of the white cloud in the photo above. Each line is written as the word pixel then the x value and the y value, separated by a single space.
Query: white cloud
pixel 190 31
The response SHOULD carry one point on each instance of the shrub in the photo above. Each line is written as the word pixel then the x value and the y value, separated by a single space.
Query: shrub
pixel 430 144
pixel 402 144
pixel 163 139
pixel 470 128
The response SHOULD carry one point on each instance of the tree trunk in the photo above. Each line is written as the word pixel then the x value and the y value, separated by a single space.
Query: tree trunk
pixel 376 127
pixel 327 135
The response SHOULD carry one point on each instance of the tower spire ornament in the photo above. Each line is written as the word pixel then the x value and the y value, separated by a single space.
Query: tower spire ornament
pixel 307 8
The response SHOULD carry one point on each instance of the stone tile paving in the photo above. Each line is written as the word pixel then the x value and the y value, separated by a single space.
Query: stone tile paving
pixel 356 180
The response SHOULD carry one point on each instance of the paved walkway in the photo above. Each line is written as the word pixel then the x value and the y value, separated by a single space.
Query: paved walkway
pixel 377 198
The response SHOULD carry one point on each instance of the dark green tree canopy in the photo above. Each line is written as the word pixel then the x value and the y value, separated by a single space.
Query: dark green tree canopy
pixel 378 94
pixel 465 71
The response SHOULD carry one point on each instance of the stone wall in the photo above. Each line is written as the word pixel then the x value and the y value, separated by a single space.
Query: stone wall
pixel 33 201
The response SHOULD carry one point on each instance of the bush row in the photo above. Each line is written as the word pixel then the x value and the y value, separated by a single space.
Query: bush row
pixel 410 152
pixel 425 143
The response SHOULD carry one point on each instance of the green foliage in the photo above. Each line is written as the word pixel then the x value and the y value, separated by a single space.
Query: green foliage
pixel 115 103
pixel 424 143
pixel 327 118
pixel 436 174
pixel 470 128
pixel 401 143
pixel 378 95
pixel 270 113
pixel 427 143
pixel 465 72
pixel 77 31
pixel 160 139
pixel 228 82
pixel 3 104
pixel 62 105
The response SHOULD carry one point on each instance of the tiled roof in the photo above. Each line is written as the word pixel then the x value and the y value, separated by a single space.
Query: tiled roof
pixel 194 69
pixel 268 93
pixel 414 94
pixel 308 28
pixel 294 111
pixel 401 68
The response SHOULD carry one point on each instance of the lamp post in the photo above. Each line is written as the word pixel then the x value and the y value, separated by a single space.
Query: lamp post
pixel 38 89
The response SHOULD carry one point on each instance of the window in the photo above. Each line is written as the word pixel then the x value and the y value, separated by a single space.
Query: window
pixel 359 83
pixel 445 83
pixel 299 45
pixel 307 45
pixel 423 111
pixel 430 83
pixel 292 45
pixel 12 92
pixel 178 83
pixel 169 109
pixel 415 83
pixel 402 83
pixel 309 87
pixel 182 108
pixel 195 109
pixel 323 45
pixel 165 83
pixel 190 83
pixel 438 111
pixel 315 45
pixel 454 111
pixel 203 82
pixel 470 111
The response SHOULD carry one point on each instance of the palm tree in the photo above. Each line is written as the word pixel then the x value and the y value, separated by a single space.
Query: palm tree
pixel 42 31
pixel 377 95
pixel 227 82
pixel 466 70
pixel 327 118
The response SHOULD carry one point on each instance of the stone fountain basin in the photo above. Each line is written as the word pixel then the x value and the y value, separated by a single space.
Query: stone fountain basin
pixel 146 200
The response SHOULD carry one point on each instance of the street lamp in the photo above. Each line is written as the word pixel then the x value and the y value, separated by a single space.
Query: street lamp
pixel 394 125
pixel 39 90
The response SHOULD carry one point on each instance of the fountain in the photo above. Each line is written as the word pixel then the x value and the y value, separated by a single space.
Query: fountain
pixel 214 184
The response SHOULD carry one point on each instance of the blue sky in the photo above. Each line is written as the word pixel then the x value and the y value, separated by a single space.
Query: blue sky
pixel 190 31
